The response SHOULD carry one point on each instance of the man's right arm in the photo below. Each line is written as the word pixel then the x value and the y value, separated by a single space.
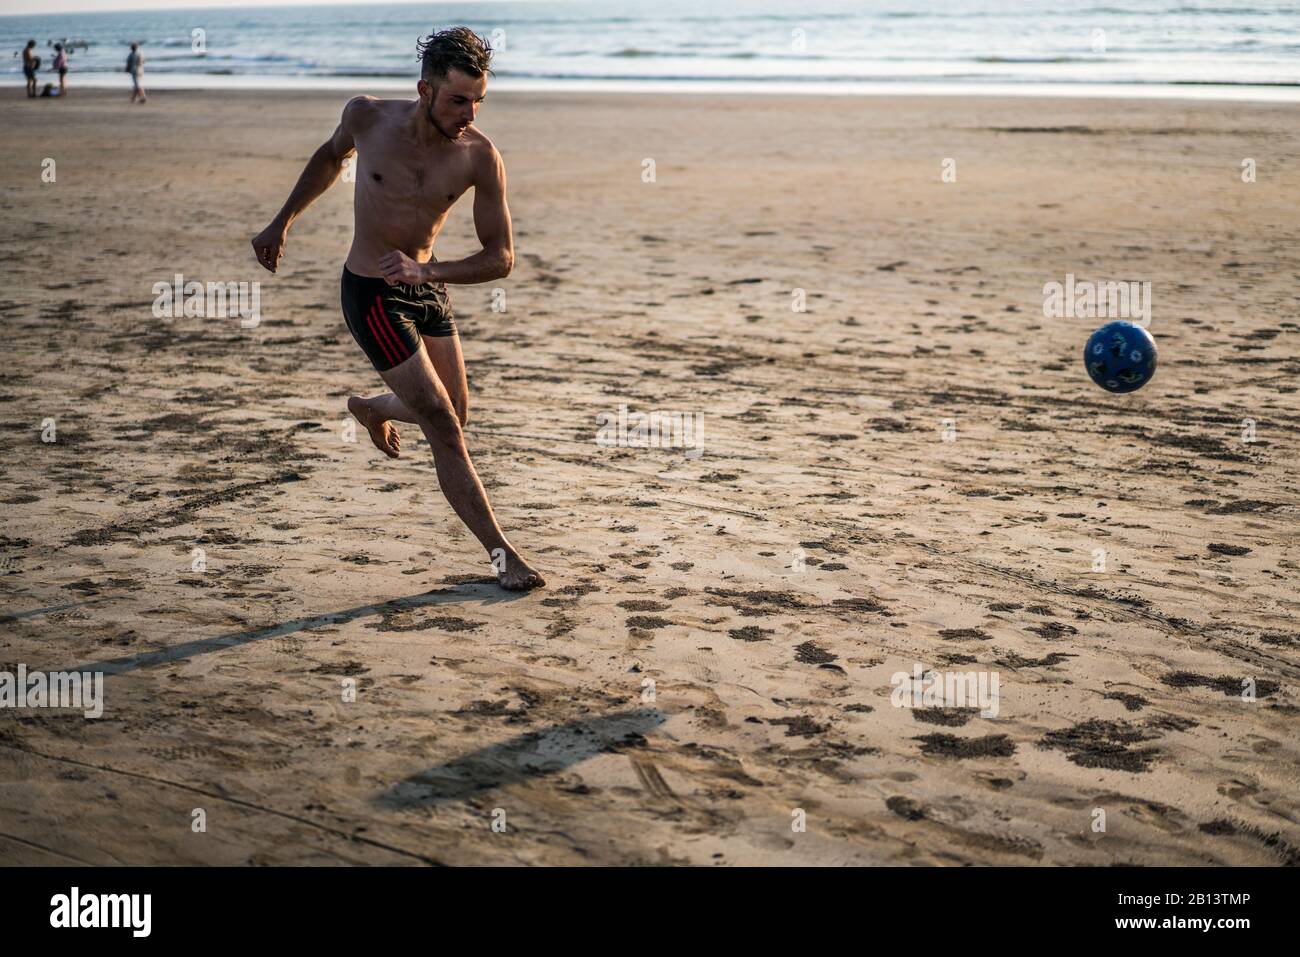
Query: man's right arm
pixel 321 172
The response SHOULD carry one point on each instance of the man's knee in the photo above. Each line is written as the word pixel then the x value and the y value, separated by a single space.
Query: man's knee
pixel 439 420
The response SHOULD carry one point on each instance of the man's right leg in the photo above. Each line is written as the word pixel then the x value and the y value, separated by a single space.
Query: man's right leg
pixel 416 384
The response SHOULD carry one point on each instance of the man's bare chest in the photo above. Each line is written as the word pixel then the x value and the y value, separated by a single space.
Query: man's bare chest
pixel 392 173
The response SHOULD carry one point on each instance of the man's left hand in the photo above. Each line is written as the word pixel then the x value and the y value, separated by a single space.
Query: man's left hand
pixel 399 267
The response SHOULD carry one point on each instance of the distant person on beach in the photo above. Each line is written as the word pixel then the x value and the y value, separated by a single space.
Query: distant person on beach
pixel 61 64
pixel 135 66
pixel 31 63
pixel 414 159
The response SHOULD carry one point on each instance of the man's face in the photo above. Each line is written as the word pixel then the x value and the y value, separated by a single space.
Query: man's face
pixel 452 103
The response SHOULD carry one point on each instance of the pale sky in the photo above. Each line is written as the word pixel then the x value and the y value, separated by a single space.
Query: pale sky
pixel 106 6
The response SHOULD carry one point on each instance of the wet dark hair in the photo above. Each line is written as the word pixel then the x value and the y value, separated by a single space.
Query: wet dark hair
pixel 459 48
pixel 58 46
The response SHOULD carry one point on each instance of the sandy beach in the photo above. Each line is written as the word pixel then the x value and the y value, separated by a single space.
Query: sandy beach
pixel 912 472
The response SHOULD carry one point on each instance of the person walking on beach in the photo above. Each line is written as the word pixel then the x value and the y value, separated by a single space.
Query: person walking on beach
pixel 414 159
pixel 135 66
pixel 61 64
pixel 30 63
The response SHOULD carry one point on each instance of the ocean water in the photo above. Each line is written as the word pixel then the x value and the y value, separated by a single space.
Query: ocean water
pixel 1134 46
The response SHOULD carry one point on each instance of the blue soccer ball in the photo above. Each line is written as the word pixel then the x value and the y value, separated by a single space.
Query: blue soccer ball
pixel 1120 357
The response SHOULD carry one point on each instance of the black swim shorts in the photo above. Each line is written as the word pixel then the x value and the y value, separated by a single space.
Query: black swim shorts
pixel 387 319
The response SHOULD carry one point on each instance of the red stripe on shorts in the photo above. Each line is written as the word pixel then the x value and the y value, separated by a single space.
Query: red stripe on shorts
pixel 378 336
pixel 402 350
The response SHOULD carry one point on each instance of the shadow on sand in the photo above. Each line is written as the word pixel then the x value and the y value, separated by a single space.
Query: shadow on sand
pixel 483 593
pixel 527 756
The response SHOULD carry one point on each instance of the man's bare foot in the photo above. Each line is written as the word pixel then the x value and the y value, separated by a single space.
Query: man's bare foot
pixel 382 433
pixel 518 576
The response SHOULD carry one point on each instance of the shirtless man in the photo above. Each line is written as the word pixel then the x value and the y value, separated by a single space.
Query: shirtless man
pixel 414 160
pixel 29 66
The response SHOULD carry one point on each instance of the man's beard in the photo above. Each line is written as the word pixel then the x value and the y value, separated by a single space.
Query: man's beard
pixel 428 111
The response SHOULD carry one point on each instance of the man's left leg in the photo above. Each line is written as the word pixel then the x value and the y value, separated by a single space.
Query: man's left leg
pixel 377 411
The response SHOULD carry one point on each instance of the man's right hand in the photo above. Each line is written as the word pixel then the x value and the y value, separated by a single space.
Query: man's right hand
pixel 269 245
